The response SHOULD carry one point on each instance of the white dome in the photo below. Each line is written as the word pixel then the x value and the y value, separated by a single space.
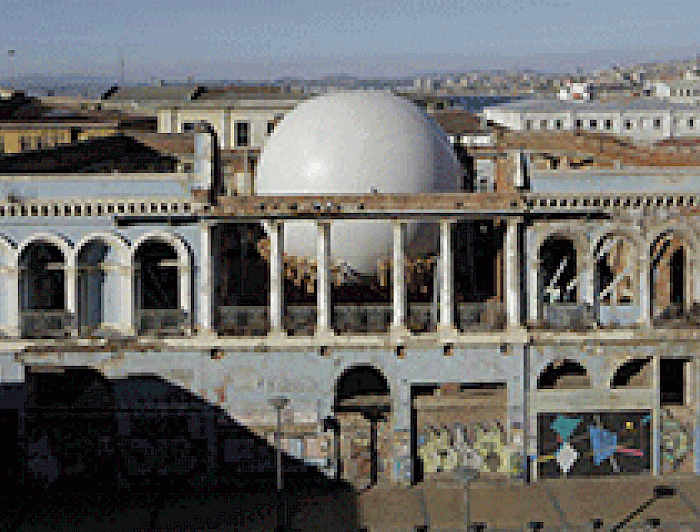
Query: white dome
pixel 352 142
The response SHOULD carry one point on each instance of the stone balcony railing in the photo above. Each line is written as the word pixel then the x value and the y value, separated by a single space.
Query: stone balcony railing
pixel 243 320
pixel 372 318
pixel 163 322
pixel 571 316
pixel 46 323
pixel 676 316
pixel 88 207
pixel 482 316
pixel 612 201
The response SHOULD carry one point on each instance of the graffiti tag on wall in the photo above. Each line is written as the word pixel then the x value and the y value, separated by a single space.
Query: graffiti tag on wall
pixel 596 443
pixel 484 446
pixel 676 442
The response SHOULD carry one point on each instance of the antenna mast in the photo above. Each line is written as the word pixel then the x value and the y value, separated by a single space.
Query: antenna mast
pixel 121 66
pixel 11 61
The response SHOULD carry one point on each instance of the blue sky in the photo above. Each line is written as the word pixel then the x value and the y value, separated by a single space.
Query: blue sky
pixel 274 38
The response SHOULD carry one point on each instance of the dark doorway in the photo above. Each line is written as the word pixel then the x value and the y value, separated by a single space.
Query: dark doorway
pixel 677 278
pixel 157 276
pixel 672 381
pixel 362 403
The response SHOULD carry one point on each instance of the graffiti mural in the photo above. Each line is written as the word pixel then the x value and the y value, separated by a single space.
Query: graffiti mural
pixel 676 442
pixel 601 443
pixel 484 445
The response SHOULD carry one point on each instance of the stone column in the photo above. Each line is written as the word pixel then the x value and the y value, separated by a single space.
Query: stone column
pixel 512 272
pixel 71 280
pixel 184 269
pixel 644 292
pixel 323 279
pixel 446 272
pixel 586 278
pixel 13 298
pixel 534 297
pixel 127 300
pixel 276 231
pixel 205 310
pixel 398 280
pixel 656 416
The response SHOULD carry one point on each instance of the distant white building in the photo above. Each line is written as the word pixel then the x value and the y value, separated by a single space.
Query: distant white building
pixel 575 91
pixel 685 90
pixel 640 120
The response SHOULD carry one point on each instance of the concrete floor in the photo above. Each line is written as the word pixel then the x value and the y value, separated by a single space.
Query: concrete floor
pixel 559 504
pixel 563 504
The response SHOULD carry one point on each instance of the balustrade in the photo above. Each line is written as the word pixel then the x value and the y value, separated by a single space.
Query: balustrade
pixel 482 316
pixel 46 323
pixel 244 320
pixel 166 322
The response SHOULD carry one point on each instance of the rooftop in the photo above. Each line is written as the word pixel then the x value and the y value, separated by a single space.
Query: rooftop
pixel 151 93
pixel 553 106
pixel 457 122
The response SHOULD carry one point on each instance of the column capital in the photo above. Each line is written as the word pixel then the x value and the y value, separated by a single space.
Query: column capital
pixel 208 223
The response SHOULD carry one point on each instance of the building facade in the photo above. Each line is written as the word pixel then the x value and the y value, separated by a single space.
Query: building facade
pixel 552 333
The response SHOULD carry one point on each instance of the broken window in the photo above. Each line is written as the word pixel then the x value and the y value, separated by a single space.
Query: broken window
pixel 563 374
pixel 634 373
pixel 668 277
pixel 558 270
pixel 615 272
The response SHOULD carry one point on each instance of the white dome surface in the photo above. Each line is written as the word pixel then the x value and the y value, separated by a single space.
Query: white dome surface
pixel 352 142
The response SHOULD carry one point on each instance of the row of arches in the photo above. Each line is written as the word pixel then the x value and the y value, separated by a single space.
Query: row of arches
pixel 570 374
pixel 617 269
pixel 98 284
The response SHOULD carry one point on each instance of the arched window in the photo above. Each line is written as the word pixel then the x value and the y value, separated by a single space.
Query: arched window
pixel 157 288
pixel 633 373
pixel 563 374
pixel 359 386
pixel 43 291
pixel 668 277
pixel 558 270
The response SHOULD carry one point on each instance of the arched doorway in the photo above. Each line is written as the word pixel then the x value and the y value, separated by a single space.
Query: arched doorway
pixel 98 286
pixel 43 291
pixel 157 289
pixel 362 405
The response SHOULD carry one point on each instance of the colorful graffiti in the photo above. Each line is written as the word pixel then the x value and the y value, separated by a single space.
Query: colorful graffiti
pixel 676 442
pixel 484 446
pixel 593 443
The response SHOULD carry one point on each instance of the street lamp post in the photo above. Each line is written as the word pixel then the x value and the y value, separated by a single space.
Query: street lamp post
pixel 278 403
